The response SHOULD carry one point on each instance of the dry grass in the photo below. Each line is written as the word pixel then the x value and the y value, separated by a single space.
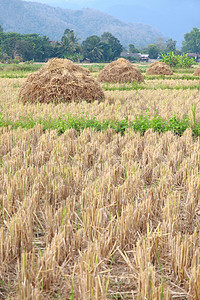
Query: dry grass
pixel 99 215
pixel 117 104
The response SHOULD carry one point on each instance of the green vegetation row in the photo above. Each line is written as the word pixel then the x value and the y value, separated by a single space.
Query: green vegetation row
pixel 171 77
pixel 141 124
pixel 22 70
pixel 175 70
pixel 161 77
pixel 137 86
pixel 18 70
pixel 24 74
pixel 25 67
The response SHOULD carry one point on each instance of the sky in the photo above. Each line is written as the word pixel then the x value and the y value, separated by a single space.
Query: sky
pixel 173 18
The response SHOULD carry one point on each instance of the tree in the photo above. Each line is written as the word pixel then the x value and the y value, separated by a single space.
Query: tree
pixel 25 50
pixel 132 49
pixel 191 41
pixel 92 48
pixel 9 43
pixel 27 46
pixel 38 48
pixel 160 43
pixel 70 43
pixel 45 48
pixel 153 51
pixel 170 46
pixel 107 52
pixel 1 28
pixel 114 44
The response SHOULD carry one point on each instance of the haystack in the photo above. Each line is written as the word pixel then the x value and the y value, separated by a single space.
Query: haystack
pixel 60 80
pixel 120 71
pixel 197 71
pixel 159 68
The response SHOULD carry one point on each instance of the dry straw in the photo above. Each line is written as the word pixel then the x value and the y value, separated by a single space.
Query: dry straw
pixel 120 71
pixel 60 81
pixel 159 68
pixel 197 71
pixel 99 215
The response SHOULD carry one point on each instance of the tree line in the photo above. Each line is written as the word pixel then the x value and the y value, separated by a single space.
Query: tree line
pixel 190 44
pixel 106 48
pixel 39 48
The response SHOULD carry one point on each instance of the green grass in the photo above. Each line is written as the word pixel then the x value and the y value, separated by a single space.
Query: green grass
pixel 18 70
pixel 141 124
pixel 175 70
pixel 171 77
pixel 142 86
pixel 94 67
pixel 20 67
pixel 142 69
pixel 22 70
pixel 184 71
pixel 13 75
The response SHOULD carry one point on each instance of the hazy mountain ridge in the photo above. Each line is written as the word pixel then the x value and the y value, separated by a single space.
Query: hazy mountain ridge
pixel 31 17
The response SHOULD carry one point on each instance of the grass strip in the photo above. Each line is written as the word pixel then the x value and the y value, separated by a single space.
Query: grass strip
pixel 20 67
pixel 175 70
pixel 136 86
pixel 141 123
pixel 18 70
pixel 24 75
pixel 171 77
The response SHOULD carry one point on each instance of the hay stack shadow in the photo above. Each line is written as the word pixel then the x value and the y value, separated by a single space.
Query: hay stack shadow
pixel 120 71
pixel 197 71
pixel 159 68
pixel 60 81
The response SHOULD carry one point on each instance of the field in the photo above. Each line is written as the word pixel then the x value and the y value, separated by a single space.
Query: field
pixel 102 200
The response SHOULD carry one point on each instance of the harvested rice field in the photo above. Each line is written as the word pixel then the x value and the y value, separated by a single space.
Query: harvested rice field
pixel 92 211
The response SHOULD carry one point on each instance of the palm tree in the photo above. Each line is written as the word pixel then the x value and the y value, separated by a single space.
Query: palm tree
pixel 69 43
pixel 92 48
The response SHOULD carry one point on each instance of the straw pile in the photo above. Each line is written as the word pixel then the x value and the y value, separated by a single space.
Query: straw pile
pixel 159 68
pixel 120 71
pixel 60 81
pixel 197 71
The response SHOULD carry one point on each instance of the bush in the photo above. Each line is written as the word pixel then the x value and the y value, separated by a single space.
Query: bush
pixel 29 62
pixel 13 61
pixel 18 58
pixel 177 61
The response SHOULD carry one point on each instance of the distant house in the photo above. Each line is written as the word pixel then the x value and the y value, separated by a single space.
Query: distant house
pixel 85 61
pixel 137 56
pixel 144 57
pixel 130 55
pixel 196 56
pixel 127 54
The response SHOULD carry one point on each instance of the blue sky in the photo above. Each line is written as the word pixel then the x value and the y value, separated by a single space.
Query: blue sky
pixel 173 18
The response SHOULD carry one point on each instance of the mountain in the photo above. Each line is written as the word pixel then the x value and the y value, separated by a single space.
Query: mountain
pixel 172 17
pixel 33 17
